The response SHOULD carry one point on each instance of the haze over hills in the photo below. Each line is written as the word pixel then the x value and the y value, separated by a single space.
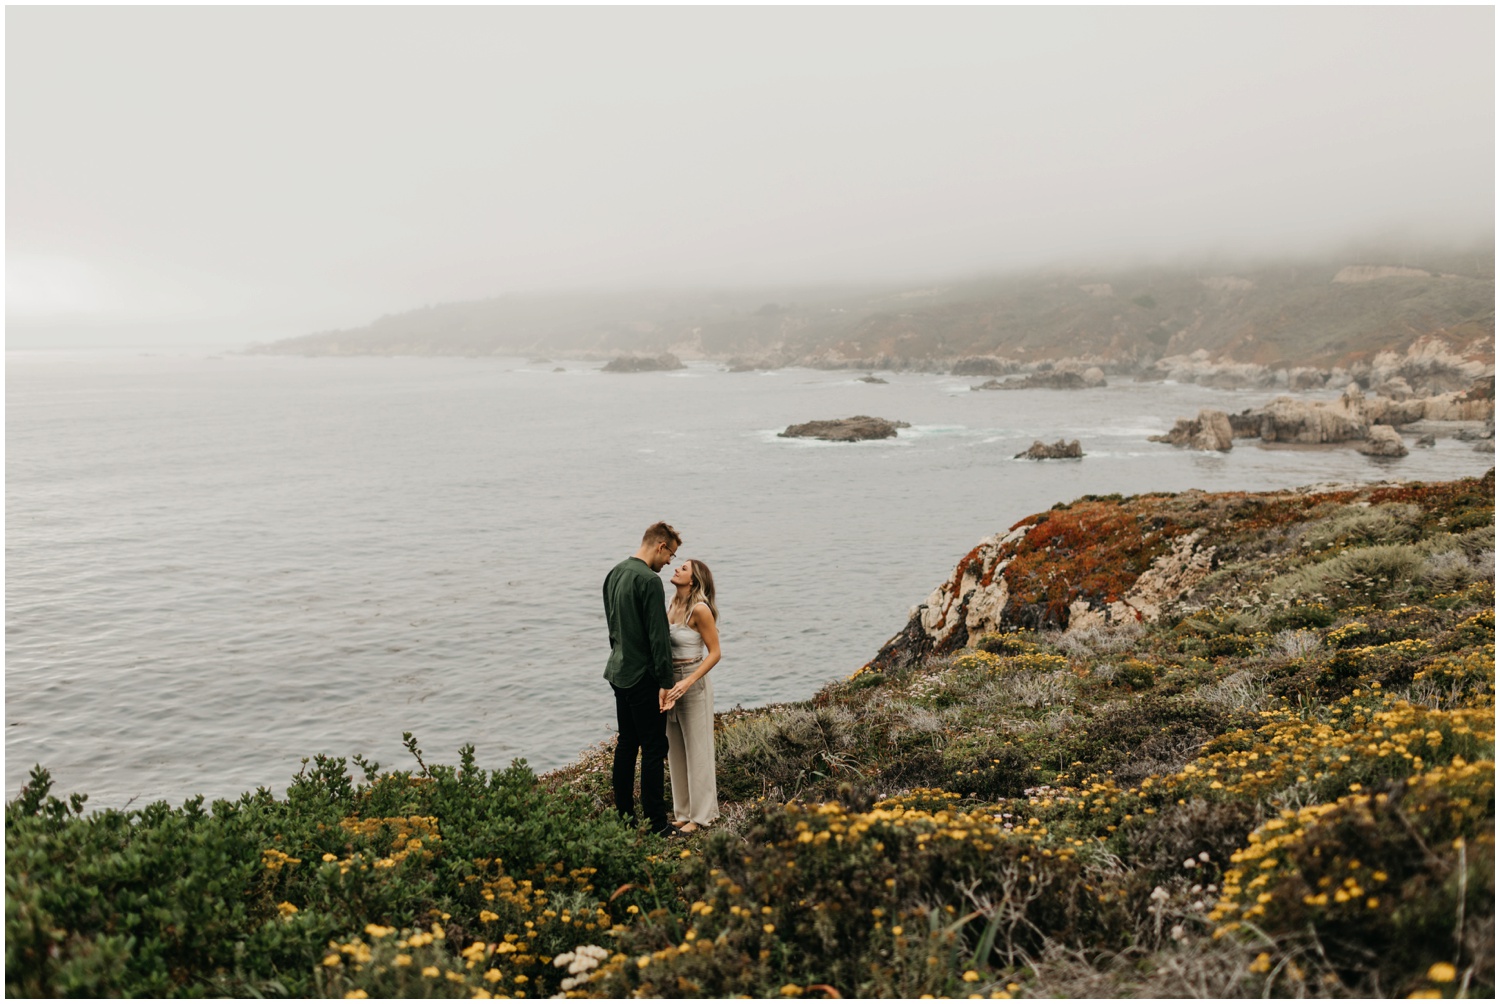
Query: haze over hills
pixel 1331 311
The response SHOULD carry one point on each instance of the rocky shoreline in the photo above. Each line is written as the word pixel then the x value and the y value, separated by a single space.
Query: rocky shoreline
pixel 1374 423
pixel 1427 367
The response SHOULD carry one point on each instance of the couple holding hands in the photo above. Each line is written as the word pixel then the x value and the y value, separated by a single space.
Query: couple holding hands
pixel 659 658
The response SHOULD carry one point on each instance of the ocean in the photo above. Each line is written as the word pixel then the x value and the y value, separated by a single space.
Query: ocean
pixel 219 565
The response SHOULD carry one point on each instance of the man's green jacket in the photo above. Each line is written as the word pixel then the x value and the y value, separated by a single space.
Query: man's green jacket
pixel 639 639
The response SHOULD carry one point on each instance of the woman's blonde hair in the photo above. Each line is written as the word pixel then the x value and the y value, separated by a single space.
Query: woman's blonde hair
pixel 702 589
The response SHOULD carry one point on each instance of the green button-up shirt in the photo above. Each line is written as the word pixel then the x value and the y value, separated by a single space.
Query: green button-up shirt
pixel 635 608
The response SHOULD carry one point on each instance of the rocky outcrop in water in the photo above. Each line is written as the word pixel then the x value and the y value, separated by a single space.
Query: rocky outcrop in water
pixel 846 430
pixel 1059 450
pixel 1382 441
pixel 1049 380
pixel 982 366
pixel 1211 430
pixel 871 378
pixel 643 364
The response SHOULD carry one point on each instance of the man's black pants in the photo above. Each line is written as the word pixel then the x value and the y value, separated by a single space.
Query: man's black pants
pixel 643 730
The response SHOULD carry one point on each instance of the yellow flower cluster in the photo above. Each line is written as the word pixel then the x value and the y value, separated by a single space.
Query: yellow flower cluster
pixel 1289 749
pixel 408 834
pixel 1271 868
pixel 980 661
pixel 1354 629
pixel 275 860
pixel 1476 666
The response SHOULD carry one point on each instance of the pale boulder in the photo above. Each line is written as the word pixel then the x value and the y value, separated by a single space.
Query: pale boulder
pixel 1383 441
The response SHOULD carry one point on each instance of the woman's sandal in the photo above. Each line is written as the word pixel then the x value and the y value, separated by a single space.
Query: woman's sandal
pixel 689 827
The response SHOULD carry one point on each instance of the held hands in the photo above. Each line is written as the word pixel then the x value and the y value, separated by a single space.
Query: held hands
pixel 671 697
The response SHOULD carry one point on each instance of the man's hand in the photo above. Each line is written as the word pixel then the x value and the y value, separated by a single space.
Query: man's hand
pixel 665 700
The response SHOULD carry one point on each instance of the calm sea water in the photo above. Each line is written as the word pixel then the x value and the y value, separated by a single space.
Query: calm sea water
pixel 218 566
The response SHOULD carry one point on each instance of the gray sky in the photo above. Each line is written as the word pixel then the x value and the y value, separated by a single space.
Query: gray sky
pixel 271 171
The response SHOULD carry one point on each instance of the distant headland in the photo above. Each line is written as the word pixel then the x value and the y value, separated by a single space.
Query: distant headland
pixel 1303 324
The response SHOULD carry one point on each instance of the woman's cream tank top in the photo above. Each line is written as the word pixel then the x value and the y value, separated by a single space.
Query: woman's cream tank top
pixel 687 644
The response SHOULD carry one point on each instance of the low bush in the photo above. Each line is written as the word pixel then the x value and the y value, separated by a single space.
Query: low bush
pixel 244 897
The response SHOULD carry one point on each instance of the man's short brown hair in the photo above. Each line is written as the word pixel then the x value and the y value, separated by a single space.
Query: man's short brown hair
pixel 661 533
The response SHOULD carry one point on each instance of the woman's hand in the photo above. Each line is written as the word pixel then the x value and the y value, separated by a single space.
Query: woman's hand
pixel 675 694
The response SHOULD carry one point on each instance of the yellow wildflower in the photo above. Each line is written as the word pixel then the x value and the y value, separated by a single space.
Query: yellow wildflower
pixel 1442 972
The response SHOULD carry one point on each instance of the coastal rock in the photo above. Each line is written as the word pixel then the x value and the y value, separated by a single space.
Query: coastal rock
pixel 1383 441
pixel 1170 576
pixel 1047 572
pixel 974 598
pixel 871 378
pixel 1288 420
pixel 1470 435
pixel 1396 388
pixel 1428 440
pixel 1245 424
pixel 1050 380
pixel 1306 378
pixel 643 364
pixel 846 430
pixel 1199 368
pixel 1351 417
pixel 1211 430
pixel 1059 450
pixel 982 366
pixel 1093 377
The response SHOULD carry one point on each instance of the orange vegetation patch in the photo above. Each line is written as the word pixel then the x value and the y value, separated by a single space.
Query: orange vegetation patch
pixel 1092 551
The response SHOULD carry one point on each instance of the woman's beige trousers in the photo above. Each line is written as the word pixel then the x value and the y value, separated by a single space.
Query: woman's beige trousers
pixel 690 751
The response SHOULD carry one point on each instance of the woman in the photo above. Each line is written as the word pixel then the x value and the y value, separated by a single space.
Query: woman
pixel 692 616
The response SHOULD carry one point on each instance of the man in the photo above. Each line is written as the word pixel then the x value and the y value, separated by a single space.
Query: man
pixel 640 671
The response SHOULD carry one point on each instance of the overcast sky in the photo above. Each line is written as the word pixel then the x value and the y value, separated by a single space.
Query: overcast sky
pixel 270 171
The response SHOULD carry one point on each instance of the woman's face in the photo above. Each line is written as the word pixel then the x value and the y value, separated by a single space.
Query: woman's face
pixel 684 574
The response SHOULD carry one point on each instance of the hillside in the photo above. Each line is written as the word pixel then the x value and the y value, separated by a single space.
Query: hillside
pixel 1233 744
pixel 1326 312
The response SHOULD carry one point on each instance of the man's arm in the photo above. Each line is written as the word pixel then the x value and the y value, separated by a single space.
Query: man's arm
pixel 608 621
pixel 653 607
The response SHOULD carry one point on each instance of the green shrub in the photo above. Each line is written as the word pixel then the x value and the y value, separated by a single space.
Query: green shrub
pixel 243 898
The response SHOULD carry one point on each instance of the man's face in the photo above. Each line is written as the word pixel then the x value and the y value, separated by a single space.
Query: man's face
pixel 662 556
